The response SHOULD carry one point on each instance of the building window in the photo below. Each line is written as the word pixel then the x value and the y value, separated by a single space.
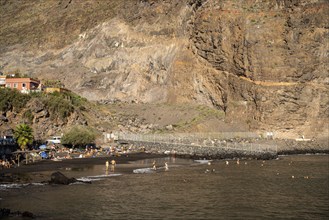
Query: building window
pixel 8 85
pixel 15 85
pixel 23 85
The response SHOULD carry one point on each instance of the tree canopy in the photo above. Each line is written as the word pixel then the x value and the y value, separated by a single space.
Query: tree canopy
pixel 79 136
pixel 23 135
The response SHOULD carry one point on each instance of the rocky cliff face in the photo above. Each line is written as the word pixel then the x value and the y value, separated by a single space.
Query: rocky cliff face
pixel 263 63
pixel 272 60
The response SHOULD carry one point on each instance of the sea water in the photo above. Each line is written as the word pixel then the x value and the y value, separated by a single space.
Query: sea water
pixel 292 187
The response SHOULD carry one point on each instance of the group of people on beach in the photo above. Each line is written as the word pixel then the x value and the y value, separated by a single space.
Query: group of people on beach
pixel 116 151
pixel 5 164
pixel 8 163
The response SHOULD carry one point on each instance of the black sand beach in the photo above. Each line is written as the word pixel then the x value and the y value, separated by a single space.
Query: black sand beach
pixel 26 173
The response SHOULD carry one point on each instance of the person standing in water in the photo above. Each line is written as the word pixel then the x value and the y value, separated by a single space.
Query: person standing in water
pixel 154 165
pixel 113 163
pixel 166 166
pixel 107 164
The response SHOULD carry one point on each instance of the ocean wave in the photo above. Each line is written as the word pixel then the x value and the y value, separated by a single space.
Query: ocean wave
pixel 97 177
pixel 203 161
pixel 18 185
pixel 144 170
pixel 105 176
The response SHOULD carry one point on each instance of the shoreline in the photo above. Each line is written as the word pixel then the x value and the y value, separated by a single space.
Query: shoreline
pixel 152 151
pixel 29 173
pixel 22 173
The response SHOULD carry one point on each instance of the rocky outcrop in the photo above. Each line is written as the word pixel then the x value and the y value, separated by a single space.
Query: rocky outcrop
pixel 263 64
pixel 59 178
pixel 6 213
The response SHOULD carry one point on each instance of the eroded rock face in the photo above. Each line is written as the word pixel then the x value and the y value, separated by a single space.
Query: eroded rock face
pixel 267 41
pixel 262 63
pixel 273 58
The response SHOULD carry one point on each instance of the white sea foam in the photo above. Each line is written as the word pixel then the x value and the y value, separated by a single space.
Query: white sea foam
pixel 80 183
pixel 18 185
pixel 144 170
pixel 86 179
pixel 38 184
pixel 203 161
pixel 105 176
pixel 11 186
pixel 97 178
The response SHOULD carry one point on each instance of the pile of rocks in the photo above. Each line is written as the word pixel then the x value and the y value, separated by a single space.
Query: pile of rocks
pixel 8 213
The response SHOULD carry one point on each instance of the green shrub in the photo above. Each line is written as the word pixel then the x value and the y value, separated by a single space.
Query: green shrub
pixel 12 99
pixel 79 136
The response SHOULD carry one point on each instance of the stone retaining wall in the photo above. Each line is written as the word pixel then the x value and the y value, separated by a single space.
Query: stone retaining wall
pixel 210 152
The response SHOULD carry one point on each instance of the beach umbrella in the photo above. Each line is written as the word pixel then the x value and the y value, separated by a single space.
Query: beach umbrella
pixel 44 155
pixel 42 147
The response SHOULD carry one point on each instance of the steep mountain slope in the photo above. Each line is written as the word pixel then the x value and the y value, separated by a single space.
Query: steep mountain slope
pixel 263 63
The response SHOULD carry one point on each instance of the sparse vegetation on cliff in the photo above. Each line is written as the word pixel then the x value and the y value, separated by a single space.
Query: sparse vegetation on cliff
pixel 44 112
pixel 59 105
pixel 12 100
pixel 62 105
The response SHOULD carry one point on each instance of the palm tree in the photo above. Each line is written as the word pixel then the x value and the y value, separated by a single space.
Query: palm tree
pixel 24 135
